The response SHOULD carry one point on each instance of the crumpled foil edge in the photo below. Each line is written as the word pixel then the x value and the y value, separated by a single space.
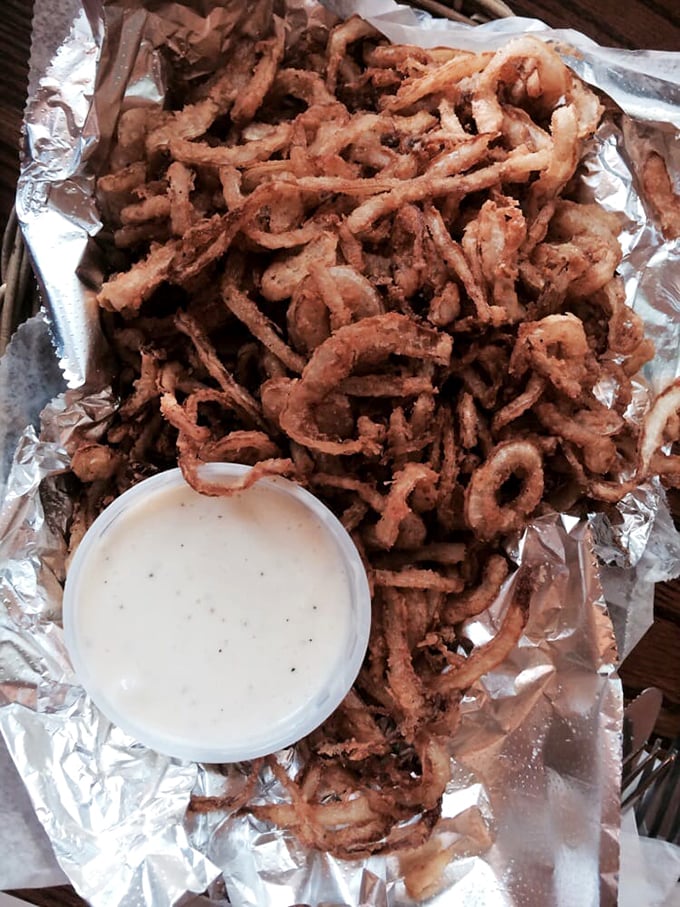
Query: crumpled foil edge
pixel 54 203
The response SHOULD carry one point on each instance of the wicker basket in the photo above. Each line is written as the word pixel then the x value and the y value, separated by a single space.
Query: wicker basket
pixel 472 12
pixel 19 297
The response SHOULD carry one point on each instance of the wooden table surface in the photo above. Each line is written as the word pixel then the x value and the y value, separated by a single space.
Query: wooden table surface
pixel 652 24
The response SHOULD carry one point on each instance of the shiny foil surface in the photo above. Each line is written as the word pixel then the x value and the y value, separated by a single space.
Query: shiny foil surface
pixel 531 814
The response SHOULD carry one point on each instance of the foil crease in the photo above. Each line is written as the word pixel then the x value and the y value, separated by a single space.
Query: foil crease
pixel 113 810
pixel 531 814
pixel 524 806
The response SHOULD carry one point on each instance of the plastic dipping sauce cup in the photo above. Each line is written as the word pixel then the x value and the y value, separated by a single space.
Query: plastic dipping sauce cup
pixel 216 629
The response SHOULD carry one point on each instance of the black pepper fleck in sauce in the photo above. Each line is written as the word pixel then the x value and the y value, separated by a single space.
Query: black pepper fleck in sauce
pixel 177 574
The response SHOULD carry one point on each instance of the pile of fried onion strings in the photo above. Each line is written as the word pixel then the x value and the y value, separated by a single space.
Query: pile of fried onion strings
pixel 366 267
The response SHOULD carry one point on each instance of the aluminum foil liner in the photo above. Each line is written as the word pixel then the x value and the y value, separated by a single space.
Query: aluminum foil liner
pixel 531 814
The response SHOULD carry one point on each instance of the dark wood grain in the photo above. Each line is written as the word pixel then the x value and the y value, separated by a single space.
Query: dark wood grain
pixel 635 24
pixel 655 661
pixel 653 24
pixel 15 41
pixel 62 896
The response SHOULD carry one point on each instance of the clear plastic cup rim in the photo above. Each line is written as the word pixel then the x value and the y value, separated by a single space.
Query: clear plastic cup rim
pixel 338 682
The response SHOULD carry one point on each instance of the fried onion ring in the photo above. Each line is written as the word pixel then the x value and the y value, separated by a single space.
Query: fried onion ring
pixel 485 512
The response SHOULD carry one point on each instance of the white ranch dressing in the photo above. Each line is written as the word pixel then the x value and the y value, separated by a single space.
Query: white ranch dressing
pixel 207 619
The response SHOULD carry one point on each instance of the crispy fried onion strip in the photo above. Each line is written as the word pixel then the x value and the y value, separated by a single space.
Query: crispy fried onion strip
pixel 259 325
pixel 413 578
pixel 336 358
pixel 655 432
pixel 350 825
pixel 403 682
pixel 513 410
pixel 532 67
pixel 196 447
pixel 413 476
pixel 193 470
pixel 518 166
pixel 238 396
pixel 480 660
pixel 659 190
pixel 468 604
pixel 557 348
